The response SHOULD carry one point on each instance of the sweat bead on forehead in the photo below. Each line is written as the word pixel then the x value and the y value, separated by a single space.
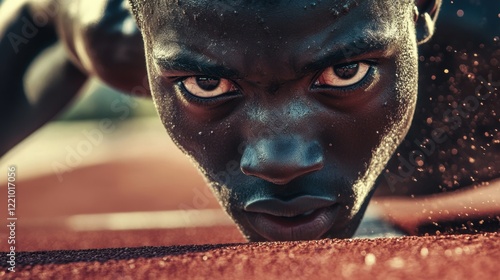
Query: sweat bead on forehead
pixel 290 109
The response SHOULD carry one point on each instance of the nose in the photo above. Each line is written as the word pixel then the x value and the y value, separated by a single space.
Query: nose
pixel 282 159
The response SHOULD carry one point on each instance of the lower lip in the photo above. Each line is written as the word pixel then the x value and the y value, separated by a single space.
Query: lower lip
pixel 313 226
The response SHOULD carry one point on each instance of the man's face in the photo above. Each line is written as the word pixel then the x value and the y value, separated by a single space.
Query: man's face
pixel 290 109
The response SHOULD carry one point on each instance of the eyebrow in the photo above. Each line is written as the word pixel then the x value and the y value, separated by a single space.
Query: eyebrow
pixel 190 62
pixel 194 63
pixel 351 51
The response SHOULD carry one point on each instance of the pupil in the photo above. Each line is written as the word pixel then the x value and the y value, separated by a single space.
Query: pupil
pixel 346 71
pixel 207 83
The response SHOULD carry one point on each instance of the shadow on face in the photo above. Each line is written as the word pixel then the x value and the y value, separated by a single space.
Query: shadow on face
pixel 290 109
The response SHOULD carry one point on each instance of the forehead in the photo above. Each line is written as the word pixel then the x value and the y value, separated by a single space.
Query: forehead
pixel 267 30
pixel 261 17
pixel 264 17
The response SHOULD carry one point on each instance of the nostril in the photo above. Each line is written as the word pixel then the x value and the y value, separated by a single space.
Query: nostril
pixel 281 160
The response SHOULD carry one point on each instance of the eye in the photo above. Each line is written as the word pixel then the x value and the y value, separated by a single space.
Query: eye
pixel 207 87
pixel 343 75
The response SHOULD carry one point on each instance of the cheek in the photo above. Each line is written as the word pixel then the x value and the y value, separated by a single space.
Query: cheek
pixel 211 143
pixel 211 147
pixel 371 133
pixel 170 110
pixel 406 88
pixel 399 112
pixel 359 132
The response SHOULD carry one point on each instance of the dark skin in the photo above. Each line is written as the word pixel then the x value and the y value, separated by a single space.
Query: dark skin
pixel 291 126
pixel 313 163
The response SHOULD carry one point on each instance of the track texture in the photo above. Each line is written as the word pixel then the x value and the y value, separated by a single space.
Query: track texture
pixel 428 257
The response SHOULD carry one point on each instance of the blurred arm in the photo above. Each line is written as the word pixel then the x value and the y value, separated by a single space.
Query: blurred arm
pixel 36 77
pixel 44 63
pixel 471 207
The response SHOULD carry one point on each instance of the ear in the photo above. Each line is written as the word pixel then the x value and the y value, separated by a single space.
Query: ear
pixel 426 12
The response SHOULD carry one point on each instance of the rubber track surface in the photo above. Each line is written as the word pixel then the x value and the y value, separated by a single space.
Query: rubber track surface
pixel 428 257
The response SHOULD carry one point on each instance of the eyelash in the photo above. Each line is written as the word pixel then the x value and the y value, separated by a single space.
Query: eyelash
pixel 367 80
pixel 201 100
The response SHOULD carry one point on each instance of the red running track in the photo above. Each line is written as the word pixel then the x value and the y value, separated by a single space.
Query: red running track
pixel 427 257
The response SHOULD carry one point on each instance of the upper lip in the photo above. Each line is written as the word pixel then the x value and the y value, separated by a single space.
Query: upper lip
pixel 289 208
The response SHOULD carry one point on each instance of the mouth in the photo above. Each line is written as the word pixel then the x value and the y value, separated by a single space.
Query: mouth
pixel 302 218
